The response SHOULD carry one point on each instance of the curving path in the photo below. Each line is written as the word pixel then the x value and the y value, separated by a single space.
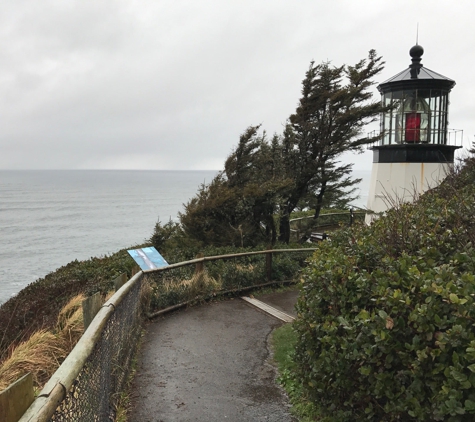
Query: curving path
pixel 210 363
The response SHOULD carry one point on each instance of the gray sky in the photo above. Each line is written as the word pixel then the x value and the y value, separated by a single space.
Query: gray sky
pixel 171 84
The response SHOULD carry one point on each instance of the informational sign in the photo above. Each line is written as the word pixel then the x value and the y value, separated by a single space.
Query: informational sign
pixel 147 258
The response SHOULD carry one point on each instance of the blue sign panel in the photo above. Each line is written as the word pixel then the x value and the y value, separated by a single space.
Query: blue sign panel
pixel 147 258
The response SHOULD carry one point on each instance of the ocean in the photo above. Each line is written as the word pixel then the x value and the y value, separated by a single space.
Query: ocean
pixel 49 218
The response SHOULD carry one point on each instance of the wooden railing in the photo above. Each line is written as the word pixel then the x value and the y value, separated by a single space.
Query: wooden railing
pixel 86 385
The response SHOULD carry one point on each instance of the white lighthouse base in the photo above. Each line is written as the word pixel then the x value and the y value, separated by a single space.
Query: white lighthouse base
pixel 392 183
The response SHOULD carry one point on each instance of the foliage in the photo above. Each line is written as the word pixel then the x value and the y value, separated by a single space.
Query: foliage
pixel 386 314
pixel 237 208
pixel 165 234
pixel 263 178
pixel 329 120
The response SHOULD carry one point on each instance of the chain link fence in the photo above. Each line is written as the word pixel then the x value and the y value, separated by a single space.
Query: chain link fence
pixel 87 385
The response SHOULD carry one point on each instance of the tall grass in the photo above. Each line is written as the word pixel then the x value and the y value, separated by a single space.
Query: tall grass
pixel 44 351
pixel 171 290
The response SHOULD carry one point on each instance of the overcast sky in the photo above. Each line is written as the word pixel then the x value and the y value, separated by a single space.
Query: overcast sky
pixel 171 84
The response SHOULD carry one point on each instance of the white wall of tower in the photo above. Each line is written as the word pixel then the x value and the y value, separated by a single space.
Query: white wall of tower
pixel 395 182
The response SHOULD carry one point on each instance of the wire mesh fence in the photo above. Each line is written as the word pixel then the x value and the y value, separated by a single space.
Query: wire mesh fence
pixel 103 375
pixel 93 375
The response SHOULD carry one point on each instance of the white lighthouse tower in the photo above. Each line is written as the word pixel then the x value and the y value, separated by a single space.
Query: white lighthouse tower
pixel 413 154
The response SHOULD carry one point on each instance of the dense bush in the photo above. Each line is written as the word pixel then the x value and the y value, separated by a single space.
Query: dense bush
pixel 386 316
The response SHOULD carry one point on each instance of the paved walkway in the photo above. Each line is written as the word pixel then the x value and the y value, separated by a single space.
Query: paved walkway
pixel 210 363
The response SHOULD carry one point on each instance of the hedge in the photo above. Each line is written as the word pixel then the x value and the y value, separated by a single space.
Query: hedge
pixel 386 315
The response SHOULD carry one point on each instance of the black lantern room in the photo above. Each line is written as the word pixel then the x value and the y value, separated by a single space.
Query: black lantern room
pixel 414 129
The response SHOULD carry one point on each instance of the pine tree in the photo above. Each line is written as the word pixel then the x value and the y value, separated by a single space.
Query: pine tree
pixel 300 168
pixel 334 108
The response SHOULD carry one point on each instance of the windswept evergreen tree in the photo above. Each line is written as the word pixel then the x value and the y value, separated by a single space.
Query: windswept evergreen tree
pixel 239 205
pixel 332 113
pixel 263 179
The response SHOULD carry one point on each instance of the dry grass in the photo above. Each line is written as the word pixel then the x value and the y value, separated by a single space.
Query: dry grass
pixel 200 283
pixel 44 351
pixel 70 326
pixel 40 355
pixel 249 268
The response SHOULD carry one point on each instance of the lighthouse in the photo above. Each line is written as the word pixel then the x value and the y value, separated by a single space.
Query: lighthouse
pixel 413 154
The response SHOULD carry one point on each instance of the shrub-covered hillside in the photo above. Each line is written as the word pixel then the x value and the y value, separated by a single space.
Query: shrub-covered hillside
pixel 386 322
pixel 36 307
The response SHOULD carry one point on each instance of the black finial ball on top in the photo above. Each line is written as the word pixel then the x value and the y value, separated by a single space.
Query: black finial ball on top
pixel 416 52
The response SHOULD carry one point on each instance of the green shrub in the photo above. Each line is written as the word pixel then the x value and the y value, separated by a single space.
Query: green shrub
pixel 386 315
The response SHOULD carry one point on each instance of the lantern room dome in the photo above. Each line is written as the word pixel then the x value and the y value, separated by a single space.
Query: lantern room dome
pixel 416 76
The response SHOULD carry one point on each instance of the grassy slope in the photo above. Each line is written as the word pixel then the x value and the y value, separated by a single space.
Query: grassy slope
pixel 37 306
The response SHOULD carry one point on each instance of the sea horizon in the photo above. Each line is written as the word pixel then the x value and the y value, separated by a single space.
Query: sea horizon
pixel 49 218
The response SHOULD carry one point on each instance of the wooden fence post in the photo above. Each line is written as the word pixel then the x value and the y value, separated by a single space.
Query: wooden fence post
pixel 120 281
pixel 200 266
pixel 16 399
pixel 90 307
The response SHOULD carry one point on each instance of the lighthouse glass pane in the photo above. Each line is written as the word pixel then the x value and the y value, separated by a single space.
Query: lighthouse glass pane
pixel 388 119
pixel 400 124
pixel 438 103
pixel 399 121
pixel 386 128
pixel 444 118
pixel 435 135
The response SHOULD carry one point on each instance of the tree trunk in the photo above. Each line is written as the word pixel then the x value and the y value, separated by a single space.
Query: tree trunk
pixel 284 225
pixel 284 228
pixel 271 230
pixel 320 196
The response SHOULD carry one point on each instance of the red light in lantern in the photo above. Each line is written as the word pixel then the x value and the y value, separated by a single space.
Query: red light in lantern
pixel 413 127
